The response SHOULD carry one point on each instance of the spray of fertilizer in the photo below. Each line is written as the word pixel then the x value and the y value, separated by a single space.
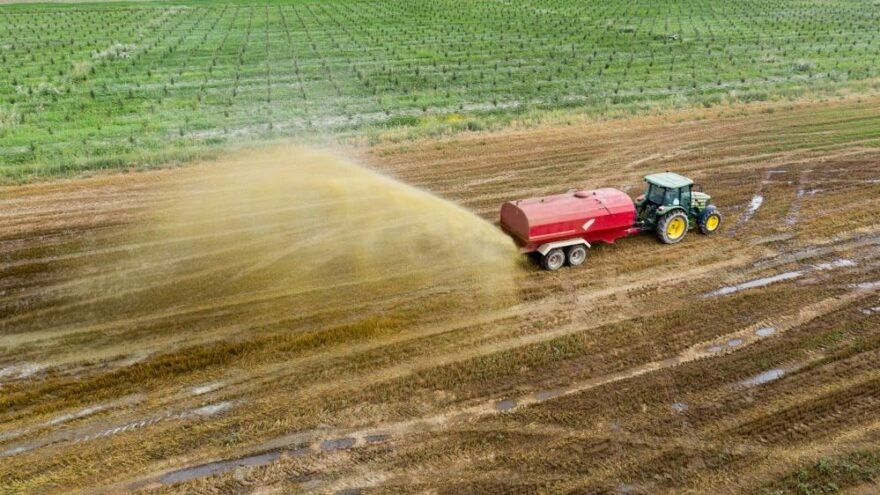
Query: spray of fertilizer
pixel 263 237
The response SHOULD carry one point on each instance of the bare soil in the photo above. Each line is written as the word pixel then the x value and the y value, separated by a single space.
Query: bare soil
pixel 718 365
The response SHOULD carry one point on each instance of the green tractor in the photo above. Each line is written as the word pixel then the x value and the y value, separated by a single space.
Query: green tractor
pixel 671 207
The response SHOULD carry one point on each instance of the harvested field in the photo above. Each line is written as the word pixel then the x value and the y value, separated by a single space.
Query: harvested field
pixel 741 363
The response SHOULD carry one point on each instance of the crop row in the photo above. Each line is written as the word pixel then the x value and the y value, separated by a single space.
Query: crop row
pixel 96 86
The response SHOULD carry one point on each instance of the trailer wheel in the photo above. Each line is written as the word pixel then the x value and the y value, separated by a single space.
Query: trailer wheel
pixel 576 254
pixel 673 227
pixel 553 260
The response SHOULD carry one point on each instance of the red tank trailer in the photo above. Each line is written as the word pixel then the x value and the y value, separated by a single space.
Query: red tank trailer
pixel 561 227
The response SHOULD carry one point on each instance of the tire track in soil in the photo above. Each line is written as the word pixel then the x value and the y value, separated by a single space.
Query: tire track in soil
pixel 584 297
pixel 624 301
pixel 347 439
pixel 89 434
pixel 411 367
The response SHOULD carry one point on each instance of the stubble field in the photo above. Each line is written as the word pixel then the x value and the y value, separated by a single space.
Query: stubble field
pixel 140 356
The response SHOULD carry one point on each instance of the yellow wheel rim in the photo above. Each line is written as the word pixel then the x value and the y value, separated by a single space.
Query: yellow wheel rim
pixel 676 227
pixel 712 222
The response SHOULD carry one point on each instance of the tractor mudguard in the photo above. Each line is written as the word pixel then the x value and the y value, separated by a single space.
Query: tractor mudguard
pixel 705 212
pixel 663 210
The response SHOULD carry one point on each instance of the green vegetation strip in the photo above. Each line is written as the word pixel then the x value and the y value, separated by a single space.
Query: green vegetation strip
pixel 89 86
pixel 830 475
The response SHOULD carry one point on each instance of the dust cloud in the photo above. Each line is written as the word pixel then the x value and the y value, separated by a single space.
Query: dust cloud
pixel 288 234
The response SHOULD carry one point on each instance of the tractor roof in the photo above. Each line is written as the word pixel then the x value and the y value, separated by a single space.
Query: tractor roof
pixel 668 179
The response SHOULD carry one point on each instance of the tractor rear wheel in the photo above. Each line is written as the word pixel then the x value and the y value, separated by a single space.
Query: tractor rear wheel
pixel 710 220
pixel 576 254
pixel 672 227
pixel 553 260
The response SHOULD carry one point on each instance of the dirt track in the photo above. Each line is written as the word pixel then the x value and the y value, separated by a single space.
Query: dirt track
pixel 719 365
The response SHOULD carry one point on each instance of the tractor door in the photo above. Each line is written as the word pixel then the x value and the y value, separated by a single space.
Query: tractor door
pixel 685 198
pixel 678 197
pixel 672 197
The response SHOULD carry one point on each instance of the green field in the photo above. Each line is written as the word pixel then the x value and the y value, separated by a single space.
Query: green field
pixel 112 85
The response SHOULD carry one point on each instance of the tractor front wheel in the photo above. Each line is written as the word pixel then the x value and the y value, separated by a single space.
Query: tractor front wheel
pixel 672 227
pixel 710 220
pixel 553 260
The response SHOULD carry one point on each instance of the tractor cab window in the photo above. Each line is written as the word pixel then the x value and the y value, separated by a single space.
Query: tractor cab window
pixel 654 194
pixel 671 197
pixel 686 196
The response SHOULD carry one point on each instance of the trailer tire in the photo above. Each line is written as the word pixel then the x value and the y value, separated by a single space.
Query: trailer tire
pixel 553 260
pixel 710 220
pixel 576 255
pixel 673 227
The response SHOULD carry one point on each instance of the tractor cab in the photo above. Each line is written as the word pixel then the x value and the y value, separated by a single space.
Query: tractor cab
pixel 664 191
pixel 671 207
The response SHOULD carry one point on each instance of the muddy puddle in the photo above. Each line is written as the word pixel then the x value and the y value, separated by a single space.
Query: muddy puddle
pixel 213 409
pixel 377 438
pixel 791 275
pixel 212 468
pixel 505 405
pixel 335 444
pixel 262 459
pixel 16 450
pixel 75 415
pixel 730 344
pixel 867 285
pixel 543 395
pixel 206 388
pixel 765 331
pixel 838 263
pixel 762 378
pixel 736 342
pixel 20 371
pixel 753 206
pixel 756 283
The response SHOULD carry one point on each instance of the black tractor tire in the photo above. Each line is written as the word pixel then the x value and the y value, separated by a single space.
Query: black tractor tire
pixel 673 227
pixel 553 260
pixel 710 220
pixel 576 255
